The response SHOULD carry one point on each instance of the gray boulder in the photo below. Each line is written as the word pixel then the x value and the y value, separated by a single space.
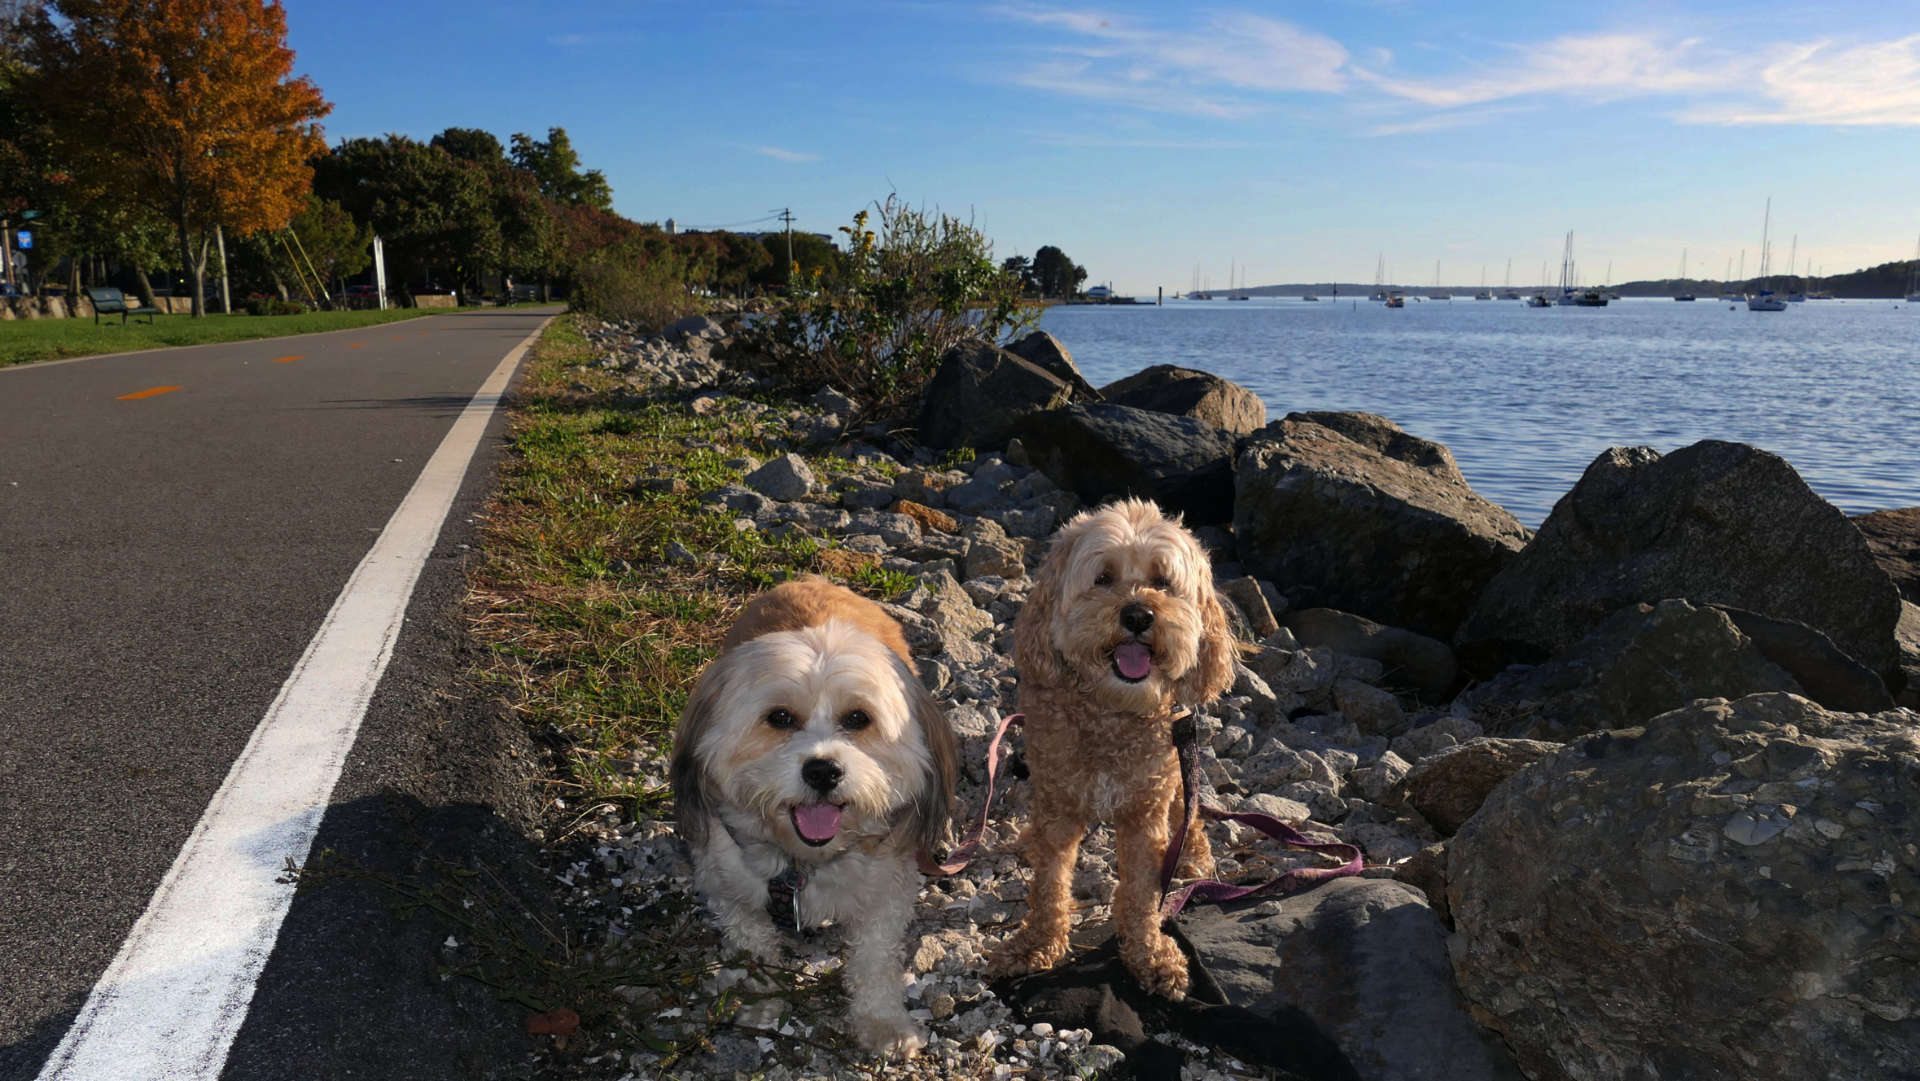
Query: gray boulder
pixel 978 393
pixel 1185 392
pixel 1046 352
pixel 1367 960
pixel 1643 661
pixel 1408 659
pixel 1337 523
pixel 1731 891
pixel 1823 670
pixel 1105 451
pixel 1893 536
pixel 785 478
pixel 1715 523
pixel 1447 788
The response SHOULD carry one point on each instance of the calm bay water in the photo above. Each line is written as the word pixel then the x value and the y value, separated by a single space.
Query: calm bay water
pixel 1525 398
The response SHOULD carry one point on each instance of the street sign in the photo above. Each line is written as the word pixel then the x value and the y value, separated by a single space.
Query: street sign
pixel 26 239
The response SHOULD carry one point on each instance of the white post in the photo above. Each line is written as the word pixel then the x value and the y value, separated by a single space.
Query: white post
pixel 380 273
pixel 226 297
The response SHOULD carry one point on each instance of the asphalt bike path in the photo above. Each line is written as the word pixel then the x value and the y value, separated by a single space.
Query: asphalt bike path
pixel 181 532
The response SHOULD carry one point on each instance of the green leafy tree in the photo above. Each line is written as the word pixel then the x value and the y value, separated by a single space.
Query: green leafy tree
pixel 432 211
pixel 1055 275
pixel 224 130
pixel 556 165
pixel 471 145
pixel 1022 270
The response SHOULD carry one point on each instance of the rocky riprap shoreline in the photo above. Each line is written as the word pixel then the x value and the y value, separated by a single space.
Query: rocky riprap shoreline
pixel 1635 793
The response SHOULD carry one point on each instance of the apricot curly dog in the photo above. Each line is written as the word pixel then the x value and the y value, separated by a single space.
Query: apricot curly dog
pixel 1121 630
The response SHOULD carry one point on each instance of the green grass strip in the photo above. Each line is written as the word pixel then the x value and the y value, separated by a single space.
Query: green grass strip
pixel 23 341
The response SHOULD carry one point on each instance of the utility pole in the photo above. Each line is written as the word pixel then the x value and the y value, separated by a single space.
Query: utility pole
pixel 786 215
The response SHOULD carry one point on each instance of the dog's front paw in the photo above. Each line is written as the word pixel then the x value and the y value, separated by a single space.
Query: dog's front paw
pixel 889 1034
pixel 1023 953
pixel 760 942
pixel 1158 964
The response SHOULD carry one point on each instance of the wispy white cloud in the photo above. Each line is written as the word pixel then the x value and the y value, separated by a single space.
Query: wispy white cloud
pixel 780 154
pixel 1872 84
pixel 1597 67
pixel 1447 121
pixel 1211 69
pixel 1095 141
pixel 1235 65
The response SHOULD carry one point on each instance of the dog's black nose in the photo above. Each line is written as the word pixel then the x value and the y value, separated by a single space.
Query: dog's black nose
pixel 1136 618
pixel 821 774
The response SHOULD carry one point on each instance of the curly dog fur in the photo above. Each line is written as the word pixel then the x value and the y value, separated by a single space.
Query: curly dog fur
pixel 1121 630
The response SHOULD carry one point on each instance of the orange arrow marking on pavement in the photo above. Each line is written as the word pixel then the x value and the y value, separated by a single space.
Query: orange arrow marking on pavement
pixel 356 345
pixel 288 360
pixel 147 393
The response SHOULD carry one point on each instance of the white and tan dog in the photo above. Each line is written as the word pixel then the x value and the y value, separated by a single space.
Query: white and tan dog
pixel 810 755
pixel 1121 632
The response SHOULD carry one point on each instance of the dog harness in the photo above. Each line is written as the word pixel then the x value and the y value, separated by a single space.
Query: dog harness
pixel 1185 739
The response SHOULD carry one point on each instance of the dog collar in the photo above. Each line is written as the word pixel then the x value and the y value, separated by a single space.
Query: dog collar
pixel 783 898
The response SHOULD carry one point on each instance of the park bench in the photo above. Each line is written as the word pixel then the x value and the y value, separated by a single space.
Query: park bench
pixel 108 300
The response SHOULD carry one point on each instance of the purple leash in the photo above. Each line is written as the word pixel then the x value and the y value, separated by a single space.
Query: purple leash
pixel 1185 736
pixel 1184 739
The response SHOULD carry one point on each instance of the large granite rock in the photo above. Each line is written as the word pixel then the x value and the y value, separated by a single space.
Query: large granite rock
pixel 1397 537
pixel 1186 392
pixel 1364 958
pixel 1893 536
pixel 1104 451
pixel 1643 661
pixel 1732 891
pixel 1447 788
pixel 978 393
pixel 1715 523
pixel 1049 354
pixel 1408 659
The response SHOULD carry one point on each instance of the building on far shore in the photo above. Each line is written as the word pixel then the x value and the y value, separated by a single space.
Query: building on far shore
pixel 1099 292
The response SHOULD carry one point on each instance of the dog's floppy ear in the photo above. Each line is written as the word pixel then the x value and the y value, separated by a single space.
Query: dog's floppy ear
pixel 691 806
pixel 1212 671
pixel 931 808
pixel 1034 655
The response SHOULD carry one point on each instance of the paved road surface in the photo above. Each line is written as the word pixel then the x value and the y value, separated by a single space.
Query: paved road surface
pixel 174 527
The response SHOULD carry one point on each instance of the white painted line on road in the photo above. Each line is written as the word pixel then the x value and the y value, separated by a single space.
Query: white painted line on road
pixel 168 1007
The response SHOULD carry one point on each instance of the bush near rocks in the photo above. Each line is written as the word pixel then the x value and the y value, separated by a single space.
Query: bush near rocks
pixel 1714 523
pixel 1730 891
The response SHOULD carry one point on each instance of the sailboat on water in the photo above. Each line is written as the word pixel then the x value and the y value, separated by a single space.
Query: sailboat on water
pixel 1507 291
pixel 1684 293
pixel 1796 294
pixel 1483 294
pixel 1438 293
pixel 1765 300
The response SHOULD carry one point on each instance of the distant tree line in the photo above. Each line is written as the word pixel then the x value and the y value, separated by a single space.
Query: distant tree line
pixel 1049 274
pixel 141 133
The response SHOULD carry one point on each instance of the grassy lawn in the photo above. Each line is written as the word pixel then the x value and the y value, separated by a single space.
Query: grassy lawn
pixel 23 341
pixel 592 630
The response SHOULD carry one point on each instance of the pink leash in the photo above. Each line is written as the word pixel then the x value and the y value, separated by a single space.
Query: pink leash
pixel 1184 738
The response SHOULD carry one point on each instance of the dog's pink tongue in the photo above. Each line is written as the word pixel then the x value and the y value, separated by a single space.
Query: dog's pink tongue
pixel 1133 660
pixel 817 821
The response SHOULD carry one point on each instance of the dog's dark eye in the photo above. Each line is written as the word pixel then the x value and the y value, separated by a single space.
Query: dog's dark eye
pixel 780 718
pixel 1104 579
pixel 1160 582
pixel 855 720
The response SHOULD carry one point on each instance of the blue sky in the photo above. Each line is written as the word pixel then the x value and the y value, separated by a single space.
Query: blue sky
pixel 1301 141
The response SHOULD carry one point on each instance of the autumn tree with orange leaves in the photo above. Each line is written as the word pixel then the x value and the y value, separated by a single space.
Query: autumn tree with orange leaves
pixel 187 105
